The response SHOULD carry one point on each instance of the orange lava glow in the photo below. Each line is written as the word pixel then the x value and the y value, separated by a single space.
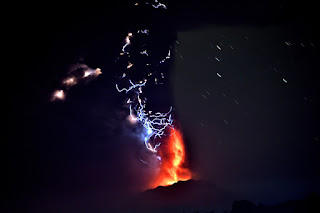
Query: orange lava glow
pixel 174 166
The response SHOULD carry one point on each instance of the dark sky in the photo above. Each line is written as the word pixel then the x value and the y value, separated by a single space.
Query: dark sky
pixel 253 134
pixel 249 127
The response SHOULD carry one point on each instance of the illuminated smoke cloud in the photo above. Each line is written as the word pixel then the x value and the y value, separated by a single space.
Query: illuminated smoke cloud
pixel 58 95
pixel 71 81
pixel 78 73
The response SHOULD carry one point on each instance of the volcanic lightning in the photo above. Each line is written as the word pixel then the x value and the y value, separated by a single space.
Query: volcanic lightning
pixel 156 129
pixel 158 132
pixel 154 124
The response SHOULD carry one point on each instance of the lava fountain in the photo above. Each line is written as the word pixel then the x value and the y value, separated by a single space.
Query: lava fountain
pixel 173 167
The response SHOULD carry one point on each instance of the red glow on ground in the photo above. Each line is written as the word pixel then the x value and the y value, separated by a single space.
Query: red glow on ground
pixel 173 167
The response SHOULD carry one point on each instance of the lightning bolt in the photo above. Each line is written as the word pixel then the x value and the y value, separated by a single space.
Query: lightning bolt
pixel 154 124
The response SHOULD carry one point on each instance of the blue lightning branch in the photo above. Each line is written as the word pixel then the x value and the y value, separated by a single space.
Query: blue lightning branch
pixel 154 124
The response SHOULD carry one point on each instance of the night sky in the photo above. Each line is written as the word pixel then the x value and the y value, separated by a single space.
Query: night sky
pixel 243 79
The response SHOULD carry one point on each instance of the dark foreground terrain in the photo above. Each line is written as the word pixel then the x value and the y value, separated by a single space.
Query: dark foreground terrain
pixel 201 196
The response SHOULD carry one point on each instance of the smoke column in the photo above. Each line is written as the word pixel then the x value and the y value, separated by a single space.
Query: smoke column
pixel 138 72
pixel 157 128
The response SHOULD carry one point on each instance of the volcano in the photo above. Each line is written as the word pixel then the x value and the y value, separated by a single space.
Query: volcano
pixel 185 194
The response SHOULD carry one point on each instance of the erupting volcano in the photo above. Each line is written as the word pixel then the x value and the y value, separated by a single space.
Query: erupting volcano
pixel 174 166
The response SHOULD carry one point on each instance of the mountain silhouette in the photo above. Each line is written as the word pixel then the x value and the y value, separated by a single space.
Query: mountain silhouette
pixel 204 196
pixel 310 204
pixel 185 194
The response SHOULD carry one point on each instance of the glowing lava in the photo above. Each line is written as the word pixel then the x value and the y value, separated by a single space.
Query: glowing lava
pixel 174 166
